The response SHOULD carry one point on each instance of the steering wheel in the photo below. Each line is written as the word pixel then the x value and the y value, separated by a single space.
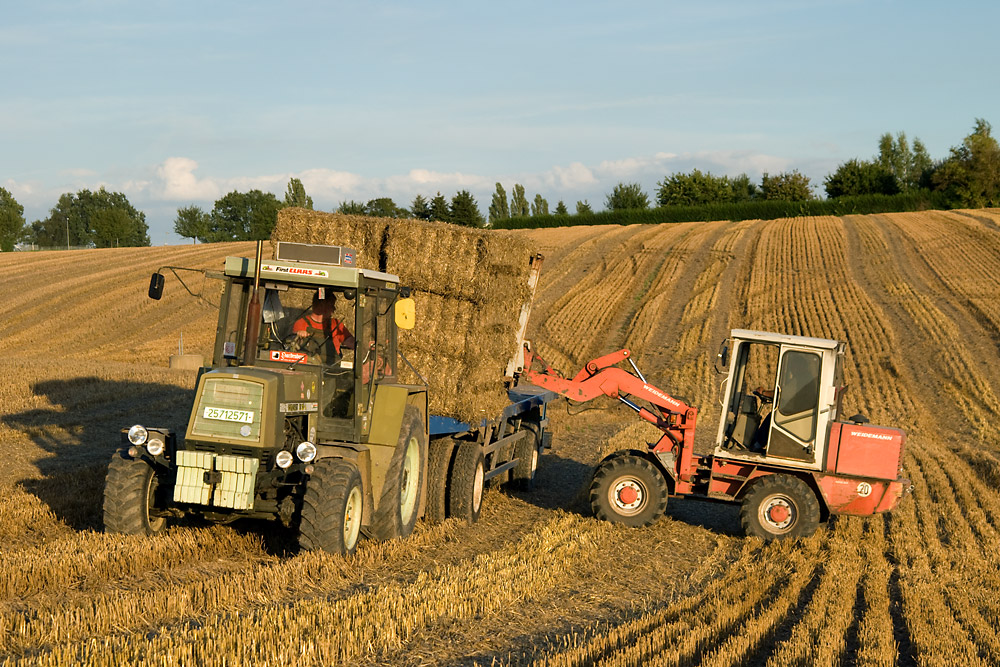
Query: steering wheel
pixel 764 398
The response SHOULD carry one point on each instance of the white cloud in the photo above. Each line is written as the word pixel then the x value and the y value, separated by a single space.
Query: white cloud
pixel 179 182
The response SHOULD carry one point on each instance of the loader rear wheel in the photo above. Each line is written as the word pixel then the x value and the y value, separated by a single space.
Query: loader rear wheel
pixel 131 496
pixel 629 490
pixel 399 504
pixel 465 490
pixel 332 508
pixel 779 507
pixel 438 464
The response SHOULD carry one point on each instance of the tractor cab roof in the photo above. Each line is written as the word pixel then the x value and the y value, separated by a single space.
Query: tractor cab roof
pixel 786 339
pixel 306 264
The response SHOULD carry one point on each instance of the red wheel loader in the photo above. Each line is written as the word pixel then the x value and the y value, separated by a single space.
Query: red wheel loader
pixel 782 450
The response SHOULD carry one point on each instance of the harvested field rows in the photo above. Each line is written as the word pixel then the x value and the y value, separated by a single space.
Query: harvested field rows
pixel 538 581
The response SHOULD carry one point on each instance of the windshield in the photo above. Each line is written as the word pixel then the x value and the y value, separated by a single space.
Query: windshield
pixel 313 325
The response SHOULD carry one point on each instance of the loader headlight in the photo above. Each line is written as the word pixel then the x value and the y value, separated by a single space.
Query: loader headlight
pixel 306 451
pixel 283 459
pixel 138 434
pixel 155 446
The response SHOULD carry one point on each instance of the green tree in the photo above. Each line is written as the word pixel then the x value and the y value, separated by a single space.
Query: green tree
pixel 539 206
pixel 921 167
pixel 351 208
pixel 192 223
pixel 102 218
pixel 626 196
pixel 295 195
pixel 519 207
pixel 561 208
pixel 909 165
pixel 694 189
pixel 243 216
pixel 970 176
pixel 498 205
pixel 420 209
pixel 465 211
pixel 584 208
pixel 786 186
pixel 384 207
pixel 744 189
pixel 439 208
pixel 12 227
pixel 860 177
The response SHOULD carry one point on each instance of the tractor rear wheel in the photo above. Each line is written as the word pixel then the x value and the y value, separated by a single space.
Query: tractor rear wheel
pixel 630 490
pixel 438 465
pixel 332 508
pixel 131 496
pixel 779 507
pixel 527 452
pixel 465 490
pixel 399 504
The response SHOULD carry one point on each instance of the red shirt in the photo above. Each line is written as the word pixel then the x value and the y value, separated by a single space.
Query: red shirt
pixel 313 323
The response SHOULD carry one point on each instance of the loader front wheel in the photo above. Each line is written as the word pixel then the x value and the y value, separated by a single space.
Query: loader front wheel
pixel 399 504
pixel 629 490
pixel 132 494
pixel 779 507
pixel 465 488
pixel 332 508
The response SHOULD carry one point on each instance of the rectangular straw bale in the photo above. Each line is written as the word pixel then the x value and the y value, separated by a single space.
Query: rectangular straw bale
pixel 468 285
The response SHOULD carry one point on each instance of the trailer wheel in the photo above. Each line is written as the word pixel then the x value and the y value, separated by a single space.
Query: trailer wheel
pixel 131 495
pixel 465 492
pixel 399 503
pixel 629 490
pixel 778 507
pixel 527 452
pixel 332 508
pixel 438 463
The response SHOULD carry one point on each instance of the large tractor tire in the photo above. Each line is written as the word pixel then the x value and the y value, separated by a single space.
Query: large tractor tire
pixel 131 495
pixel 465 490
pixel 399 504
pixel 528 453
pixel 629 490
pixel 439 457
pixel 779 507
pixel 332 508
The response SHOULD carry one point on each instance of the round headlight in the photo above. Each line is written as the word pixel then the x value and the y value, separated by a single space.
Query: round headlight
pixel 155 446
pixel 283 459
pixel 306 451
pixel 137 434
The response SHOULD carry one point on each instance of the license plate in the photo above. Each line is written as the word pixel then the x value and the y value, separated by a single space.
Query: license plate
pixel 222 414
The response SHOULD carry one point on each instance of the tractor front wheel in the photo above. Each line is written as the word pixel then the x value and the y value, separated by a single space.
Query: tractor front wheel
pixel 779 507
pixel 332 508
pixel 131 497
pixel 630 490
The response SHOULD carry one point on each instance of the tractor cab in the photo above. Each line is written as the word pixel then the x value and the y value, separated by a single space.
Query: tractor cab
pixel 781 395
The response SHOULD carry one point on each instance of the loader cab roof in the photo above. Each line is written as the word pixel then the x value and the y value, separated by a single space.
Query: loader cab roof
pixel 784 339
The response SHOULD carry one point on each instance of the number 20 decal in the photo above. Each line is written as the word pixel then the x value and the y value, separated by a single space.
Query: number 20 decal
pixel 864 489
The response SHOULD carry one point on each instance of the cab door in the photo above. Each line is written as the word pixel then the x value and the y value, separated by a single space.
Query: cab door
pixel 795 417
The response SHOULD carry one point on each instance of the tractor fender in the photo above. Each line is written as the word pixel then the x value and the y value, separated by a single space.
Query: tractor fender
pixel 668 473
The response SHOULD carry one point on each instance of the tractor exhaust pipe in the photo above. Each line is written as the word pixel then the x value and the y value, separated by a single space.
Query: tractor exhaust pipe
pixel 253 313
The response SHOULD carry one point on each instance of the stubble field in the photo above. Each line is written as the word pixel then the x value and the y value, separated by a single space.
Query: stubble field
pixel 538 580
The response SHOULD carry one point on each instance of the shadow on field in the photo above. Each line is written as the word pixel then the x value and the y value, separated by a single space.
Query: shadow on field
pixel 81 430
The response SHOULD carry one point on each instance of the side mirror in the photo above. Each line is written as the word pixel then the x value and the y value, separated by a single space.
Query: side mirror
pixel 156 286
pixel 722 358
pixel 406 313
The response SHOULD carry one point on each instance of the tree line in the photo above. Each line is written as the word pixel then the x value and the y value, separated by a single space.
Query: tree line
pixel 969 177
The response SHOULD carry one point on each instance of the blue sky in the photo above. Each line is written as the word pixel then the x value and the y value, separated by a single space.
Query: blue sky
pixel 177 103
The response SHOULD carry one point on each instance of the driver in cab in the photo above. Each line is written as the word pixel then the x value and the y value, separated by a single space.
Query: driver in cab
pixel 320 331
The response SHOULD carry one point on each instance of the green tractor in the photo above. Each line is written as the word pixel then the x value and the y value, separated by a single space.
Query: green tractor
pixel 300 417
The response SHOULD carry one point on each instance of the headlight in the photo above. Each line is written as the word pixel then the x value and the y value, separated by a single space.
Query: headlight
pixel 138 434
pixel 155 446
pixel 306 451
pixel 283 459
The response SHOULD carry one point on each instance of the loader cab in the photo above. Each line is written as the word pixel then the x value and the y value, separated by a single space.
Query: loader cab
pixel 780 397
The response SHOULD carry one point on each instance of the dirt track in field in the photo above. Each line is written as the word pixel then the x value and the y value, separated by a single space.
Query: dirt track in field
pixel 538 579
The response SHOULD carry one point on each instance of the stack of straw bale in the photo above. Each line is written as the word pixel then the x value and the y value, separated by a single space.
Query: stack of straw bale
pixel 468 284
